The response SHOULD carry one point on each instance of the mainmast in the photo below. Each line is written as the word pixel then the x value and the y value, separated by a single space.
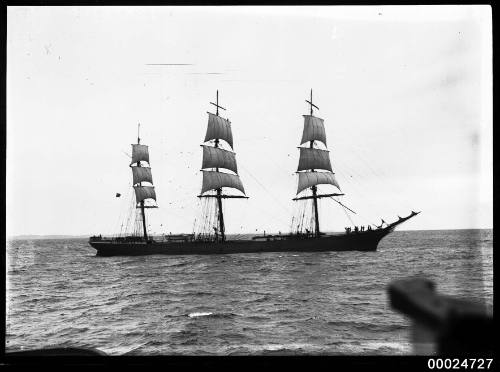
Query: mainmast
pixel 312 158
pixel 142 174
pixel 219 190
pixel 144 229
pixel 314 188
pixel 216 157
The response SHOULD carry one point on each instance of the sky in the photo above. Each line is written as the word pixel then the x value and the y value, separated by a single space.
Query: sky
pixel 405 92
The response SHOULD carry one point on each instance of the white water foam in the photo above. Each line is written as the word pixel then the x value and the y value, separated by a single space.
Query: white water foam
pixel 195 315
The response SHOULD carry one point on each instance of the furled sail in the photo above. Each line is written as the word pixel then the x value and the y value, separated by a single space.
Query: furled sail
pixel 314 159
pixel 219 128
pixel 214 180
pixel 139 153
pixel 214 157
pixel 314 130
pixel 144 192
pixel 142 174
pixel 309 179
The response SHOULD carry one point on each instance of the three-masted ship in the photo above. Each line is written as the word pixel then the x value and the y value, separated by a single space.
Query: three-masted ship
pixel 314 169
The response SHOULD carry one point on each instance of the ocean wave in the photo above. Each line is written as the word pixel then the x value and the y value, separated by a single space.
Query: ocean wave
pixel 201 305
pixel 196 315
pixel 256 317
pixel 199 293
pixel 210 314
pixel 366 326
pixel 175 264
pixel 120 349
pixel 276 349
pixel 377 347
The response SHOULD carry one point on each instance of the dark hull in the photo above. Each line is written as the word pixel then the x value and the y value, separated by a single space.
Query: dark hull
pixel 362 241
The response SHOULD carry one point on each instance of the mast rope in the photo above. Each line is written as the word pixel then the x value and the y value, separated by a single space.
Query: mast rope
pixel 378 175
pixel 312 219
pixel 303 216
pixel 343 206
pixel 349 217
pixel 130 215
pixel 288 211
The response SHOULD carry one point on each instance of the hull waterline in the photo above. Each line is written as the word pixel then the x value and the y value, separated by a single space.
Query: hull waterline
pixel 362 241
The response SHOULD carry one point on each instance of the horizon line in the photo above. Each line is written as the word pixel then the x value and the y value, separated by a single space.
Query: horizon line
pixel 247 233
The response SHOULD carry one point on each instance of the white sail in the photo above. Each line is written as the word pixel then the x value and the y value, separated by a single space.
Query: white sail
pixel 144 192
pixel 142 174
pixel 214 157
pixel 314 130
pixel 308 179
pixel 214 180
pixel 314 159
pixel 139 153
pixel 219 128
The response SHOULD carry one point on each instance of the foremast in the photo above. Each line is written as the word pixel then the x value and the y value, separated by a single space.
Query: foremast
pixel 215 157
pixel 142 174
pixel 313 158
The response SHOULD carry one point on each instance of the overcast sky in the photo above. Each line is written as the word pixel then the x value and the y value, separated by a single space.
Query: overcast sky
pixel 405 92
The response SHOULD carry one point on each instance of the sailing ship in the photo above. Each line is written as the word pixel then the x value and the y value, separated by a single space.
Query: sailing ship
pixel 314 169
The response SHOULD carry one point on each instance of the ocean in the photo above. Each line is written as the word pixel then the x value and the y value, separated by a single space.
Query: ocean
pixel 60 294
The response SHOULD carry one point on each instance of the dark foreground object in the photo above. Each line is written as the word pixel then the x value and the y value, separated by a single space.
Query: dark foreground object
pixel 355 241
pixel 450 325
pixel 58 351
